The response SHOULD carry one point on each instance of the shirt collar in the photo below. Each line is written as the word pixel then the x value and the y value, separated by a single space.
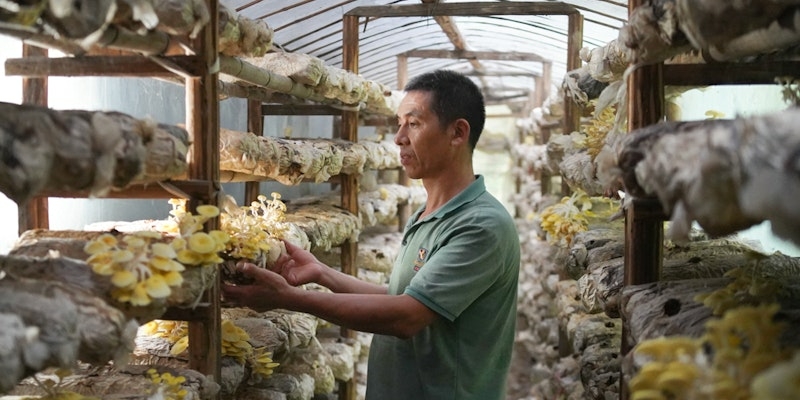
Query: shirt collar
pixel 475 189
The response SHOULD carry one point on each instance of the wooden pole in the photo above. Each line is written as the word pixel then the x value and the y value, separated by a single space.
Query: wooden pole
pixel 202 122
pixel 404 210
pixel 106 65
pixel 255 124
pixel 572 112
pixel 644 231
pixel 347 390
pixel 402 71
pixel 572 116
pixel 35 213
pixel 643 248
pixel 546 81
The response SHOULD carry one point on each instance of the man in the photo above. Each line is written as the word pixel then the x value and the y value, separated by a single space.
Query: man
pixel 444 328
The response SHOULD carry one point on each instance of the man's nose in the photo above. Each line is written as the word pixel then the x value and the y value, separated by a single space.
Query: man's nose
pixel 400 136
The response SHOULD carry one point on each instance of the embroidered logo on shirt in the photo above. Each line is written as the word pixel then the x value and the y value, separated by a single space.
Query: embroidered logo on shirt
pixel 422 253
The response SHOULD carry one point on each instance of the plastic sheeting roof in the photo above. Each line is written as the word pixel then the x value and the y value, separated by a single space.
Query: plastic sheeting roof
pixel 315 27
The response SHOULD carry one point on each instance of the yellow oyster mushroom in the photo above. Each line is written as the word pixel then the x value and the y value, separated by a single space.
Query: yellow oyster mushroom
pixel 157 287
pixel 123 278
pixel 168 378
pixel 122 295
pixel 189 225
pixel 107 238
pixel 122 256
pixel 165 264
pixel 755 363
pixel 262 355
pixel 178 244
pixel 202 243
pixel 728 356
pixel 646 377
pixel 677 378
pixel 96 246
pixel 134 242
pixel 139 295
pixel 264 245
pixel 262 362
pixel 780 381
pixel 650 394
pixel 189 257
pixel 242 345
pixel 208 210
pixel 664 348
pixel 148 234
pixel 725 389
pixel 211 258
pixel 173 278
pixel 220 237
pixel 103 266
pixel 180 346
pixel 229 329
pixel 163 250
pixel 150 328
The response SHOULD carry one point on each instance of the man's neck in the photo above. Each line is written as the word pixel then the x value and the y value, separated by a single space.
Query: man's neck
pixel 442 189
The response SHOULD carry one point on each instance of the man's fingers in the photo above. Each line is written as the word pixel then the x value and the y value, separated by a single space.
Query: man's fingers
pixel 291 247
pixel 232 294
pixel 250 270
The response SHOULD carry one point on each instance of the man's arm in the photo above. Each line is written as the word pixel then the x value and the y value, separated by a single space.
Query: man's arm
pixel 371 310
pixel 339 282
pixel 402 316
pixel 298 266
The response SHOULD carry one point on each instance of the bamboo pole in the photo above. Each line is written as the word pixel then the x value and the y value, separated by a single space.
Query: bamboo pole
pixel 258 76
pixel 33 38
pixel 151 43
pixel 228 89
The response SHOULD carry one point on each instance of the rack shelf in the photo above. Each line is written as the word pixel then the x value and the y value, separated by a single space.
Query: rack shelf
pixel 202 122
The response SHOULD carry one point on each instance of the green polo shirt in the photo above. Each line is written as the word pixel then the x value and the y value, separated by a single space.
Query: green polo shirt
pixel 462 261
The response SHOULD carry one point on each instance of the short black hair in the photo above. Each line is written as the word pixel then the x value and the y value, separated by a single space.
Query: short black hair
pixel 454 96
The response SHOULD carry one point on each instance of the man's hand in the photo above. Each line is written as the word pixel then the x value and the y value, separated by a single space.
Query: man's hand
pixel 298 266
pixel 267 291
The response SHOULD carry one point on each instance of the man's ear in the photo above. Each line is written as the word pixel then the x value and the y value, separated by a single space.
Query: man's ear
pixel 460 130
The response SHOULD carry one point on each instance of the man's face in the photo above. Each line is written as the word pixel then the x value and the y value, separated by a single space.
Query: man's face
pixel 425 149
